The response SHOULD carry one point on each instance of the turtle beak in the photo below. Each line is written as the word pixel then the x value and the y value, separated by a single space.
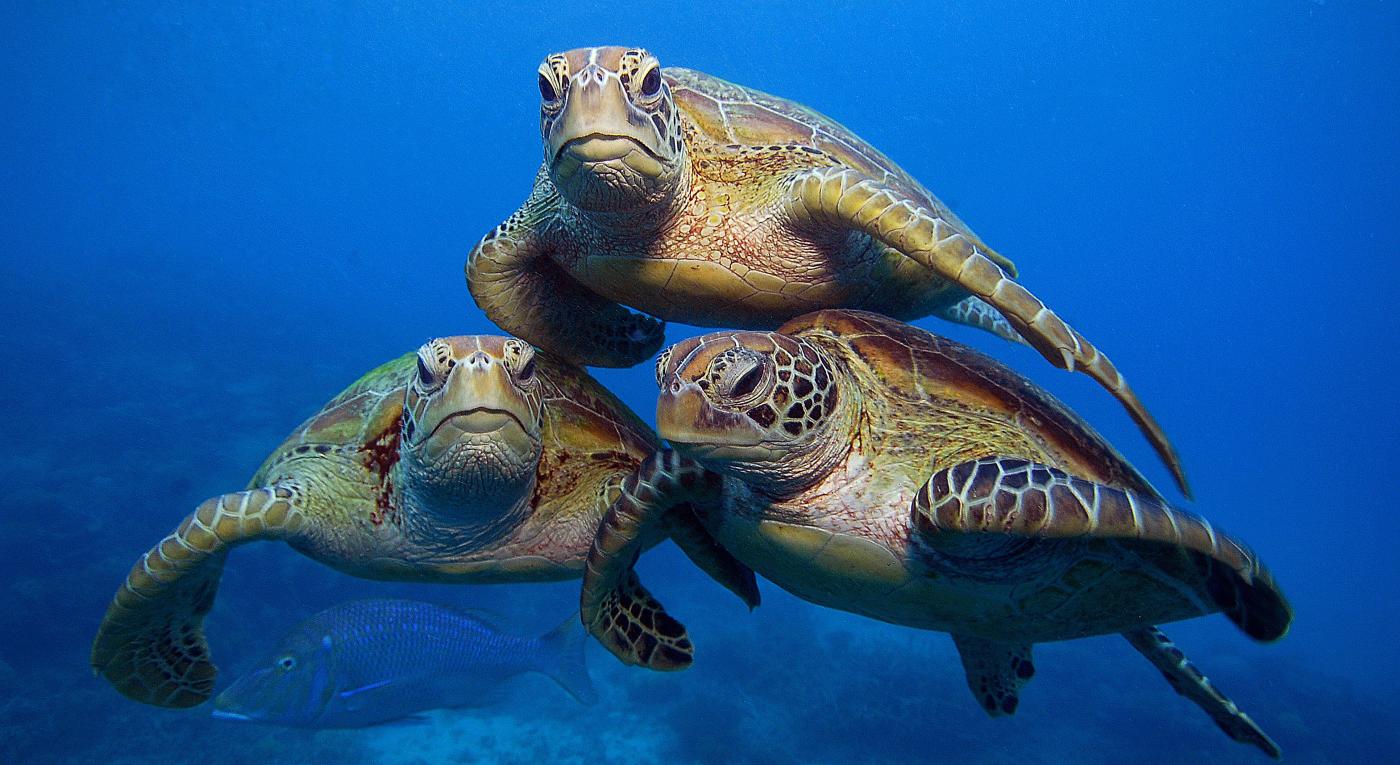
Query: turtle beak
pixel 480 398
pixel 686 418
pixel 599 124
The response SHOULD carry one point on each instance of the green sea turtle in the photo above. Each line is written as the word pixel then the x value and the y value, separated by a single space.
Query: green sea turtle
pixel 474 460
pixel 697 200
pixel 866 465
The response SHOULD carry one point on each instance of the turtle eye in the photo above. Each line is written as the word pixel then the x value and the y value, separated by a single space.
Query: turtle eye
pixel 651 84
pixel 426 376
pixel 661 363
pixel 747 382
pixel 742 375
pixel 738 376
pixel 547 91
pixel 520 358
pixel 287 663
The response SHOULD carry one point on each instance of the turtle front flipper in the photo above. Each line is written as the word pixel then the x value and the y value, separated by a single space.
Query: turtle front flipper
pixel 527 294
pixel 1000 495
pixel 614 606
pixel 996 671
pixel 845 198
pixel 151 644
pixel 1189 682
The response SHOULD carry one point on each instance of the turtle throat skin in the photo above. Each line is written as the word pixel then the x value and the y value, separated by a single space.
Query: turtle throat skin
pixel 471 439
pixel 612 134
pixel 771 410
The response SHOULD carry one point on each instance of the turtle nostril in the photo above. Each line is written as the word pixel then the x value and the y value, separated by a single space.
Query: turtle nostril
pixel 478 358
pixel 675 387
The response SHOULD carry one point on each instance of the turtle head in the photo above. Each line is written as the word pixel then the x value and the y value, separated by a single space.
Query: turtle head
pixel 612 135
pixel 762 406
pixel 471 426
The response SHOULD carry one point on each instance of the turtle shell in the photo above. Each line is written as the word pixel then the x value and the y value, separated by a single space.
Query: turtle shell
pixel 730 114
pixel 366 413
pixel 915 364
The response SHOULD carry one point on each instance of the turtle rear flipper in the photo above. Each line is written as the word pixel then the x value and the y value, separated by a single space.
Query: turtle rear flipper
pixel 998 495
pixel 996 671
pixel 1189 682
pixel 975 312
pixel 151 644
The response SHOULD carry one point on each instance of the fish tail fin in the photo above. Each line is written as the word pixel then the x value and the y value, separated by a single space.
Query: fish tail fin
pixel 563 659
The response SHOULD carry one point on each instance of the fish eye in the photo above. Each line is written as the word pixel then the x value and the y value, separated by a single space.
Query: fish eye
pixel 287 662
pixel 547 91
pixel 651 84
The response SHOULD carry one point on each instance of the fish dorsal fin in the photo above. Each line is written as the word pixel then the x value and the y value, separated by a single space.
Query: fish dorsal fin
pixel 487 618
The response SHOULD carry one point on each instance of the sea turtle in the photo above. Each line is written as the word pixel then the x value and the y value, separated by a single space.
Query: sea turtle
pixel 697 200
pixel 867 465
pixel 475 459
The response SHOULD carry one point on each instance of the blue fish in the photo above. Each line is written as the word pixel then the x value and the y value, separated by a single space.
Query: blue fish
pixel 372 661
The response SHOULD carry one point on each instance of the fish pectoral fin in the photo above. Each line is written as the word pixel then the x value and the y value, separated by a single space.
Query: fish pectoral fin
pixel 363 688
pixel 356 699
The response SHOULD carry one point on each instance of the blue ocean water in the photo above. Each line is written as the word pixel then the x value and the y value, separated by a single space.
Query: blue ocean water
pixel 215 217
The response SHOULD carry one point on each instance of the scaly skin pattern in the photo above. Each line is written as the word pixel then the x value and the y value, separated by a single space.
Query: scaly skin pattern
pixel 614 606
pixel 474 460
pixel 697 200
pixel 1188 681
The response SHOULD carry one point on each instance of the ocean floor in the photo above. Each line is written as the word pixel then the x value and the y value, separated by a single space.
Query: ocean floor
pixel 787 683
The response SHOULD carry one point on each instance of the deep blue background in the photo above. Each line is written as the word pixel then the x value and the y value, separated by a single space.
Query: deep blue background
pixel 212 220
